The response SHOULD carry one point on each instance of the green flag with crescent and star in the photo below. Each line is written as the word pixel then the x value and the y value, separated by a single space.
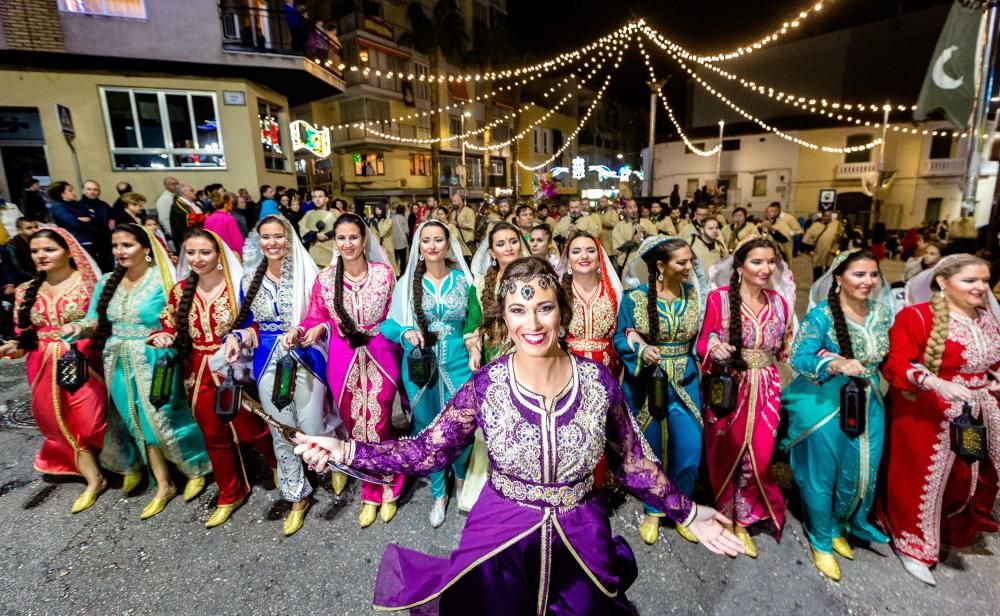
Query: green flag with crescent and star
pixel 949 89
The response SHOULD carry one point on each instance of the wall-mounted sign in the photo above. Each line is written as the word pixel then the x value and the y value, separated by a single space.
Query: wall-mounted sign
pixel 65 120
pixel 307 137
pixel 234 97
pixel 827 199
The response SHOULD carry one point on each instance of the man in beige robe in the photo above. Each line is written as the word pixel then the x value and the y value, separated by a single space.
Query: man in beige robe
pixel 629 233
pixel 822 235
pixel 576 219
pixel 320 221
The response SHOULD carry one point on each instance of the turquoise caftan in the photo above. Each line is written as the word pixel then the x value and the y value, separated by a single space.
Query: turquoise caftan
pixel 835 473
pixel 128 367
pixel 453 312
pixel 675 439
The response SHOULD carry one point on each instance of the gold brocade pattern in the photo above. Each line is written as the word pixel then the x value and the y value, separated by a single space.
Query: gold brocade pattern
pixel 515 446
pixel 562 497
pixel 364 381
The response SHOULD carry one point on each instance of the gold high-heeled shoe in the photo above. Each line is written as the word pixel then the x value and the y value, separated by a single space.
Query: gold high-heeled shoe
pixel 387 511
pixel 157 505
pixel 87 499
pixel 131 481
pixel 222 513
pixel 367 517
pixel 749 547
pixel 296 518
pixel 193 488
pixel 686 534
pixel 827 565
pixel 338 481
pixel 649 531
pixel 842 547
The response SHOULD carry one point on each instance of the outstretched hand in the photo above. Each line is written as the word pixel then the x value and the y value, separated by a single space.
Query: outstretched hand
pixel 318 451
pixel 710 527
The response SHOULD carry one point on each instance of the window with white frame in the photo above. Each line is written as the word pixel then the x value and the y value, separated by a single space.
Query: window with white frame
pixel 541 140
pixel 421 84
pixel 162 129
pixel 109 8
pixel 271 119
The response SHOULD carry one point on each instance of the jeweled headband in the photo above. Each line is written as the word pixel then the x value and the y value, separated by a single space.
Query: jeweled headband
pixel 752 237
pixel 509 286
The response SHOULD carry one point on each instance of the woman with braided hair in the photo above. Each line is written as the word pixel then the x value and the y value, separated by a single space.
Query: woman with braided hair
pixel 845 335
pixel 749 322
pixel 658 322
pixel 944 353
pixel 275 296
pixel 434 307
pixel 201 310
pixel 124 310
pixel 73 424
pixel 350 300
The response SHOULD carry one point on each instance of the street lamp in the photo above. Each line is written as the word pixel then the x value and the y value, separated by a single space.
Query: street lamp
pixel 620 156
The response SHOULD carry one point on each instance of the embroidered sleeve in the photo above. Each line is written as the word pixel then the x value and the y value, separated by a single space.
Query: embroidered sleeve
pixel 626 322
pixel 437 446
pixel 809 355
pixel 317 312
pixel 712 326
pixel 167 324
pixel 907 343
pixel 635 466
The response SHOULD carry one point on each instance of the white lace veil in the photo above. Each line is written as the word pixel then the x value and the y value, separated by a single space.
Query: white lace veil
pixel 482 259
pixel 298 266
pixel 401 310
pixel 820 289
pixel 918 289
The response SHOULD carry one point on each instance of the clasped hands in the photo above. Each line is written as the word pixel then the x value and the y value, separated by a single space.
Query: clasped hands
pixel 318 451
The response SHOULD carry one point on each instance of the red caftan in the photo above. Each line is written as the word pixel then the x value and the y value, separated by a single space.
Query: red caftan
pixel 930 495
pixel 592 329
pixel 208 321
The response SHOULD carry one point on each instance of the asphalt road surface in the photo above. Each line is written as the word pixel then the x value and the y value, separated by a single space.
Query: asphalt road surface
pixel 106 561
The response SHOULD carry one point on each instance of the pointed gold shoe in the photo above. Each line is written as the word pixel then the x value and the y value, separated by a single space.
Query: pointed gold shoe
pixel 131 481
pixel 686 533
pixel 367 517
pixel 193 488
pixel 338 481
pixel 649 531
pixel 749 547
pixel 294 521
pixel 87 499
pixel 387 511
pixel 157 505
pixel 827 565
pixel 222 513
pixel 842 547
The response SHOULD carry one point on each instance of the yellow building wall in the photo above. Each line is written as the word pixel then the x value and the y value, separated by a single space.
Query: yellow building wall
pixel 557 121
pixel 80 92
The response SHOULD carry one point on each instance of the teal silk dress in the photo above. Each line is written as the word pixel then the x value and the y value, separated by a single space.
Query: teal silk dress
pixel 128 368
pixel 453 312
pixel 835 473
pixel 675 439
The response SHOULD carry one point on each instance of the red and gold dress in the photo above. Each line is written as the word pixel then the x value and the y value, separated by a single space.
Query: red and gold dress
pixel 592 329
pixel 208 321
pixel 931 496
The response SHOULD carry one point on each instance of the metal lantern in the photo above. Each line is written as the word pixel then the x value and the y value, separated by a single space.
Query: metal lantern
pixel 228 397
pixel 659 394
pixel 968 436
pixel 720 390
pixel 421 364
pixel 161 387
pixel 853 407
pixel 283 391
pixel 72 370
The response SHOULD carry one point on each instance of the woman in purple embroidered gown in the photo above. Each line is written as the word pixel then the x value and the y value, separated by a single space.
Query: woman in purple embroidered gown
pixel 537 540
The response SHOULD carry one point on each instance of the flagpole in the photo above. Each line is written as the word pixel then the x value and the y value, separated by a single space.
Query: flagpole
pixel 981 109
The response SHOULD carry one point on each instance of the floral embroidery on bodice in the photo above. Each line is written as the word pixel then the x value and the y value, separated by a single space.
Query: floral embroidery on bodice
pixel 679 317
pixel 125 310
pixel 596 319
pixel 366 301
pixel 446 308
pixel 207 324
pixel 265 306
pixel 764 330
pixel 49 313
pixel 980 341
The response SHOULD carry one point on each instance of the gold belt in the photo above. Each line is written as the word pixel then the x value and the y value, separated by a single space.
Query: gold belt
pixel 673 349
pixel 588 344
pixel 757 358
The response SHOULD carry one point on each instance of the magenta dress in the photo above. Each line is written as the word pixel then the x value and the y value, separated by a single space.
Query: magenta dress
pixel 225 226
pixel 538 541
pixel 738 447
pixel 364 381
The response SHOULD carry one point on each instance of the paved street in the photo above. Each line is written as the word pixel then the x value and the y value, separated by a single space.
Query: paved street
pixel 106 561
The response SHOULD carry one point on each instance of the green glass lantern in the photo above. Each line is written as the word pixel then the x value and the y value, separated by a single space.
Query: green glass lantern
pixel 228 397
pixel 283 391
pixel 72 370
pixel 421 364
pixel 161 386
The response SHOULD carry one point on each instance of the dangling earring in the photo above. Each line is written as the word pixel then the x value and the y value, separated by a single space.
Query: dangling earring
pixel 836 288
pixel 493 263
pixel 562 331
pixel 219 266
pixel 149 259
pixel 421 257
pixel 659 276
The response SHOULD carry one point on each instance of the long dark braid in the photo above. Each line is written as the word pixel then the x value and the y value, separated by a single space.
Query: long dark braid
pixel 417 290
pixel 736 300
pixel 103 331
pixel 182 335
pixel 27 340
pixel 355 337
pixel 837 311
pixel 491 323
pixel 258 277
pixel 662 253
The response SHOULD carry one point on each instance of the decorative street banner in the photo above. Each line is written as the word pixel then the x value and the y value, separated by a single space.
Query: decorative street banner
pixel 307 137
pixel 949 88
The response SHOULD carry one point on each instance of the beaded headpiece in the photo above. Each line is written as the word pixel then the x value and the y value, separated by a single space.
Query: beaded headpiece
pixel 545 281
pixel 752 237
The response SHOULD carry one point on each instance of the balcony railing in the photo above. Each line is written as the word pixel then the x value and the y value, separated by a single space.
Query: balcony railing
pixel 267 31
pixel 376 133
pixel 942 167
pixel 854 171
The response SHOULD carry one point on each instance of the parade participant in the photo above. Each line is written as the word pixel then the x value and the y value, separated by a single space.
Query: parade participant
pixel 824 236
pixel 595 292
pixel 844 336
pixel 275 287
pixel 928 255
pixel 350 300
pixel 200 311
pixel 316 228
pixel 576 219
pixel 629 233
pixel 674 223
pixel 73 425
pixel 540 244
pixel 738 230
pixel 504 213
pixel 698 217
pixel 658 321
pixel 782 227
pixel 524 220
pixel 465 219
pixel 222 223
pixel 124 310
pixel 607 217
pixel 434 307
pixel 441 214
pixel 381 228
pixel 944 353
pixel 749 321
pixel 707 245
pixel 540 498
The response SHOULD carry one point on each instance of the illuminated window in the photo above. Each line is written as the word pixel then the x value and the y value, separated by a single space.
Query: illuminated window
pixel 420 164
pixel 271 119
pixel 368 164
pixel 109 8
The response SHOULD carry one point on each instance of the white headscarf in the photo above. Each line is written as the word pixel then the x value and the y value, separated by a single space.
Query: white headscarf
pixel 162 263
pixel 820 289
pixel 918 289
pixel 298 272
pixel 482 260
pixel 401 310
